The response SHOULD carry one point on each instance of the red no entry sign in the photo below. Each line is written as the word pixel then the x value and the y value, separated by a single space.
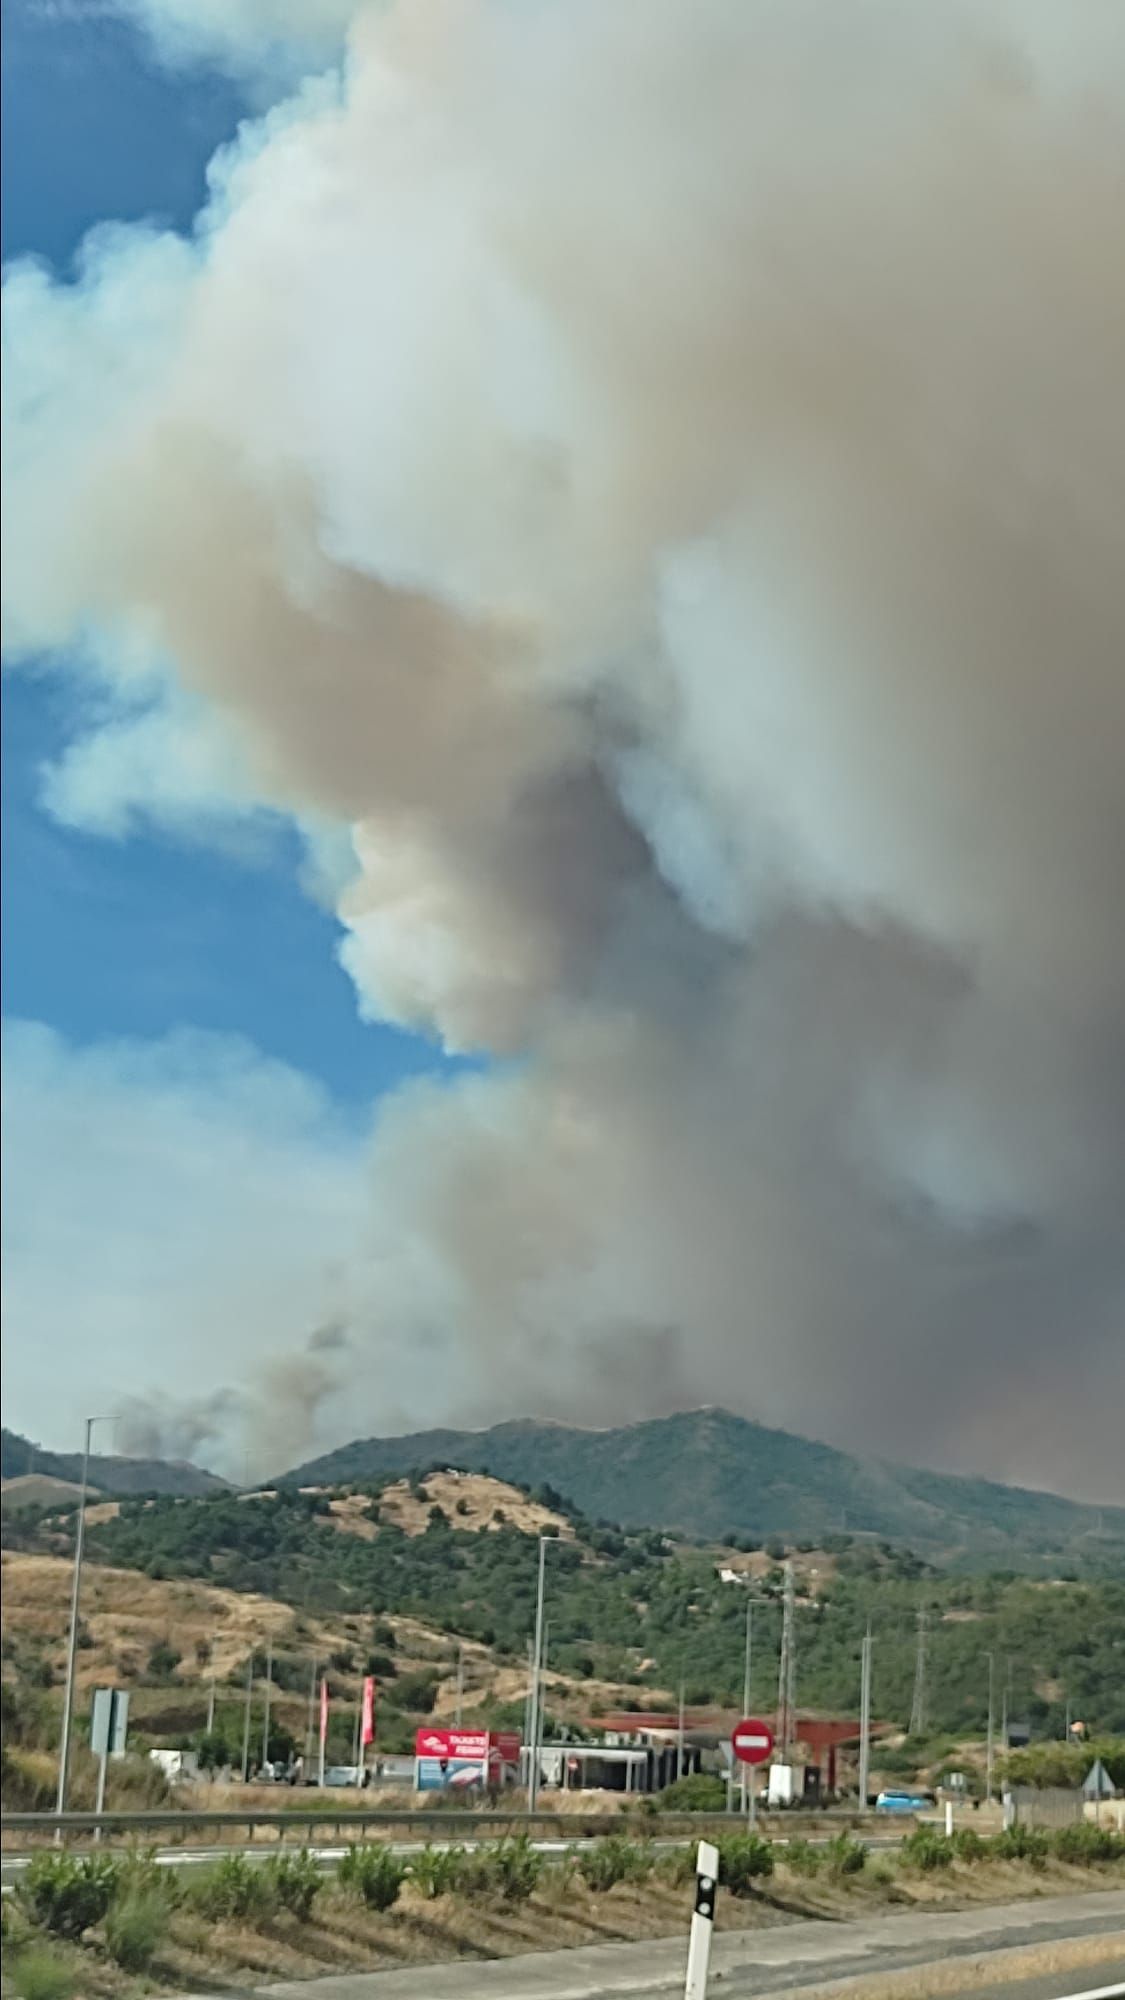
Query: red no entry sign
pixel 752 1741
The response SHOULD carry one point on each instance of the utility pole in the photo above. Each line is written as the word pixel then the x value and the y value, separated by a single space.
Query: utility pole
pixel 460 1681
pixel 266 1709
pixel 865 1719
pixel 1004 1708
pixel 787 1669
pixel 536 1678
pixel 680 1731
pixel 246 1715
pixel 211 1688
pixel 309 1723
pixel 530 1651
pixel 918 1704
pixel 72 1643
pixel 988 1743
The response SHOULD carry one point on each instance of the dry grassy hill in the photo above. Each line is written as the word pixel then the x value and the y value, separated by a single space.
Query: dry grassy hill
pixel 127 1617
pixel 473 1501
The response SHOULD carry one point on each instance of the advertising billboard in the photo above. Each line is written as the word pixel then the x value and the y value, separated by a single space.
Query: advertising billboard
pixel 461 1759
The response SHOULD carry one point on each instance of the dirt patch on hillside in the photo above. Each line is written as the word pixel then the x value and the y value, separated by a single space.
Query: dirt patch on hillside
pixel 125 1613
pixel 471 1500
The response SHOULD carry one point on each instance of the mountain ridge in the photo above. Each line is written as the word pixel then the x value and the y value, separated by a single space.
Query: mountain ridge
pixel 709 1473
pixel 110 1475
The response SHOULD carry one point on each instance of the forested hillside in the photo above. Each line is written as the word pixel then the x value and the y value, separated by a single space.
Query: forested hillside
pixel 639 1610
pixel 711 1473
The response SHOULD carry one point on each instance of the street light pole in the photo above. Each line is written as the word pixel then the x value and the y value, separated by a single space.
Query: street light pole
pixel 246 1716
pixel 988 1746
pixel 72 1644
pixel 536 1675
pixel 266 1709
pixel 865 1720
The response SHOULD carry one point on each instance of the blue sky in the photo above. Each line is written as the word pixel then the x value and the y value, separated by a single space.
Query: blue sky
pixel 141 935
pixel 189 1085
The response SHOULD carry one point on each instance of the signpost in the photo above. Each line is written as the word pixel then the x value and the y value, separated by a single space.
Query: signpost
pixel 752 1743
pixel 109 1725
pixel 702 1920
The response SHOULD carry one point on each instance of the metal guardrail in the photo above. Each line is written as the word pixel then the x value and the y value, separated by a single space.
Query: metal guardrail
pixel 304 1821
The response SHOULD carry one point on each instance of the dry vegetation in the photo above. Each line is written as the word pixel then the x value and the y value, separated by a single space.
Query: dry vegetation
pixel 125 1614
pixel 472 1500
pixel 342 1934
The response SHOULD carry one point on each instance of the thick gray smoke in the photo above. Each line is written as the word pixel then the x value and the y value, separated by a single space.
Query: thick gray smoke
pixel 658 475
pixel 156 1425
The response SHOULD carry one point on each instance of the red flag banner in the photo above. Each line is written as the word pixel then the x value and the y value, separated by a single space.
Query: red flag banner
pixel 323 1712
pixel 367 1731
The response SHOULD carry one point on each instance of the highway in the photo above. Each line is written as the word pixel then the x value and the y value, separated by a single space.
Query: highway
pixel 1056 1947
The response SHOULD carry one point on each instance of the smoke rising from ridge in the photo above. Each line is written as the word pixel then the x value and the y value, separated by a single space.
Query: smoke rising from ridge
pixel 658 477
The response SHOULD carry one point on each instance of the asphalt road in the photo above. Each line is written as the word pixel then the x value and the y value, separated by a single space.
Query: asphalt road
pixel 782 1960
pixel 1056 1986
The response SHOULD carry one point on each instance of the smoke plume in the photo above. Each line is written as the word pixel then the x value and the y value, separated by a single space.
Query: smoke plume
pixel 657 475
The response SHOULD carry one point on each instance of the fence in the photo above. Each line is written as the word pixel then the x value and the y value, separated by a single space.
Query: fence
pixel 1047 1805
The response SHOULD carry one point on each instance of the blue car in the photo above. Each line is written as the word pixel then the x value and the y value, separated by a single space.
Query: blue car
pixel 902 1802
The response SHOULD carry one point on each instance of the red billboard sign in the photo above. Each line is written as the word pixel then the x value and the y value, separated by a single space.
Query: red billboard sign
pixel 460 1759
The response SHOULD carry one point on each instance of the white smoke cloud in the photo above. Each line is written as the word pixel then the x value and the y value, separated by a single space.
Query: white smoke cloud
pixel 179 1219
pixel 658 477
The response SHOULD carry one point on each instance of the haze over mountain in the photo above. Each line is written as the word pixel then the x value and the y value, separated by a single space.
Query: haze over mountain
pixel 709 1473
pixel 20 1460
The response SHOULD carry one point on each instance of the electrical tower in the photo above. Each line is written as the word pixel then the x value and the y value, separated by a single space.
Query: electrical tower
pixel 918 1704
pixel 787 1671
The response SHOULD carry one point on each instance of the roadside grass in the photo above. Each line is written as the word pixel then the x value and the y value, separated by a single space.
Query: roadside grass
pixel 238 1925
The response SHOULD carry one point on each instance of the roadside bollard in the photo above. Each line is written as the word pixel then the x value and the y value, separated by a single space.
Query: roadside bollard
pixel 702 1920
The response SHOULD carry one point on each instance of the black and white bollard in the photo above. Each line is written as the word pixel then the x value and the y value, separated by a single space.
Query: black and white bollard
pixel 702 1920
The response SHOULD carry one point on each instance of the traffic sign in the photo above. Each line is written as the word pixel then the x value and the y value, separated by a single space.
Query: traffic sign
pixel 752 1741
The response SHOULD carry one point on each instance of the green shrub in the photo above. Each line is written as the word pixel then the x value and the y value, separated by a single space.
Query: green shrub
pixel 438 1871
pixel 701 1792
pixel 743 1857
pixel 802 1857
pixel 295 1882
pixel 1022 1843
pixel 1087 1844
pixel 38 1973
pixel 927 1849
pixel 66 1896
pixel 677 1865
pixel 509 1870
pixel 844 1856
pixel 135 1929
pixel 232 1887
pixel 968 1845
pixel 140 1874
pixel 374 1873
pixel 613 1859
